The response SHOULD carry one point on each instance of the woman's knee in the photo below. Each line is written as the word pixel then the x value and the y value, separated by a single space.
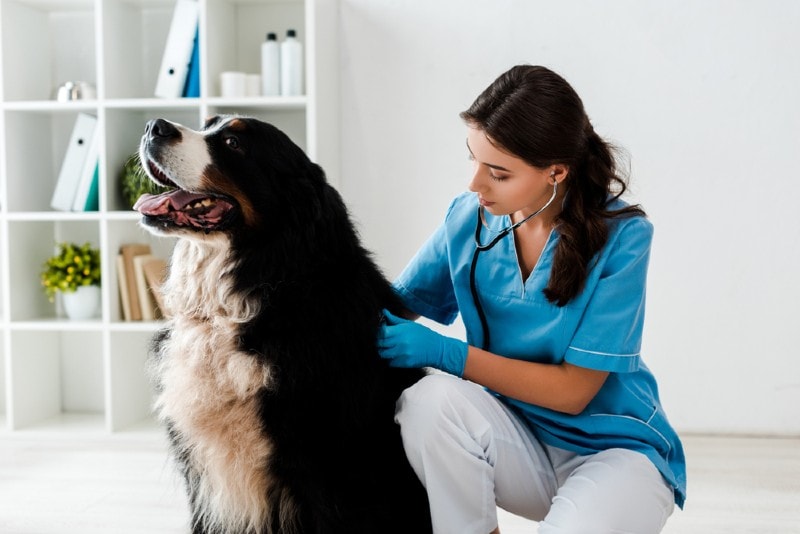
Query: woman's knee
pixel 422 404
pixel 438 404
pixel 616 490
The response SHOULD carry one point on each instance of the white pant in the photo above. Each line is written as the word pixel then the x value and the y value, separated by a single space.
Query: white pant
pixel 473 454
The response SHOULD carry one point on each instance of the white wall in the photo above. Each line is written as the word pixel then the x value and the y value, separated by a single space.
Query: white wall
pixel 704 95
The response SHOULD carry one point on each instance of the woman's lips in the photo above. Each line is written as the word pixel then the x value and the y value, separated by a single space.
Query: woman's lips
pixel 485 203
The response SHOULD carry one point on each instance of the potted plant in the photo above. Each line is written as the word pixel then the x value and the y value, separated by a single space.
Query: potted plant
pixel 74 271
pixel 134 182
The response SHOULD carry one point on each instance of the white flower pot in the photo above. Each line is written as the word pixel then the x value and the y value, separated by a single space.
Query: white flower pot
pixel 84 303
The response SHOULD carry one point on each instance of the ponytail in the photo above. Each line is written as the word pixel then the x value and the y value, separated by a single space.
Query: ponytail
pixel 582 224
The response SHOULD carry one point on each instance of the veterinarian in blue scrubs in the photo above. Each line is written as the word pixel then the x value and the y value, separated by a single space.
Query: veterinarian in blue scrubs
pixel 548 409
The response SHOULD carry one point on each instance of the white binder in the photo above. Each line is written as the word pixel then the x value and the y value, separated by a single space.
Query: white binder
pixel 178 50
pixel 80 144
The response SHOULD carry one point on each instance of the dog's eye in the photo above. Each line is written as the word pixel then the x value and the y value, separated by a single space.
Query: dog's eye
pixel 232 142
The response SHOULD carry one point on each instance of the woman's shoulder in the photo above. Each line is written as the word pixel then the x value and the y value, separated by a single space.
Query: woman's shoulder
pixel 632 222
pixel 464 201
pixel 464 206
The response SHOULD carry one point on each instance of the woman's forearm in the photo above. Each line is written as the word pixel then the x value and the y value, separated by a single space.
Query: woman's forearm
pixel 561 387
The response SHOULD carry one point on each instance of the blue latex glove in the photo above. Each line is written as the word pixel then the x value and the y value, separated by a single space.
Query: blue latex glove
pixel 408 344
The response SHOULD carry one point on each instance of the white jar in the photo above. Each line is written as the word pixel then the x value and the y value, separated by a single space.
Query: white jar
pixel 291 65
pixel 271 66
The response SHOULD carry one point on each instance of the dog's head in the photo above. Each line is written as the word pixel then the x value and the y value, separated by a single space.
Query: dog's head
pixel 227 177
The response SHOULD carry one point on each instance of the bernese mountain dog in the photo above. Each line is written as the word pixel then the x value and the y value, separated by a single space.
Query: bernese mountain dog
pixel 279 410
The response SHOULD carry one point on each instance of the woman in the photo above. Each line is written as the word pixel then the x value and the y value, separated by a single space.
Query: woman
pixel 558 418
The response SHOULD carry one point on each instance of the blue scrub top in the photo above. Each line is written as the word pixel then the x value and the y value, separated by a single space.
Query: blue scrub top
pixel 599 329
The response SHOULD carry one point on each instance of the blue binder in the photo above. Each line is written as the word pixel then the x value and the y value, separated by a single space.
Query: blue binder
pixel 192 87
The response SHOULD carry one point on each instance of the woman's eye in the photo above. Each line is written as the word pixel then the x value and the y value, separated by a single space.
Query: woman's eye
pixel 232 142
pixel 498 177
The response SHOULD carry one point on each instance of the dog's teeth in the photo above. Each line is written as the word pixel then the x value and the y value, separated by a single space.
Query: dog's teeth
pixel 204 203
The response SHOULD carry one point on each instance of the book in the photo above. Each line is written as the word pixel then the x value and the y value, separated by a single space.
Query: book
pixel 86 192
pixel 79 145
pixel 155 273
pixel 122 281
pixel 147 301
pixel 178 50
pixel 192 87
pixel 129 251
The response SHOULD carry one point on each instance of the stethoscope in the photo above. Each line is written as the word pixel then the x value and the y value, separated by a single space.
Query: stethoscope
pixel 481 247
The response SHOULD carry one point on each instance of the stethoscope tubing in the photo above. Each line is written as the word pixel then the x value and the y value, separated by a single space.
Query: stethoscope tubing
pixel 481 247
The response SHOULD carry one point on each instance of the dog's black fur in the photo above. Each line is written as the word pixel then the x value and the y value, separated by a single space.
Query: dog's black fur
pixel 285 244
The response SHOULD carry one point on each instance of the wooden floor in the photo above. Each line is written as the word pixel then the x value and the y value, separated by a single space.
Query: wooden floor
pixel 125 484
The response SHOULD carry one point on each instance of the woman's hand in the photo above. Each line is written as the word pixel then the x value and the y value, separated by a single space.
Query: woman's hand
pixel 408 344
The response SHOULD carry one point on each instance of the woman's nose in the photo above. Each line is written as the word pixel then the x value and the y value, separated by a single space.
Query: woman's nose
pixel 478 182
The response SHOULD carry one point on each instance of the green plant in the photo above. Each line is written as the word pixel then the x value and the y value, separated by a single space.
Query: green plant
pixel 135 182
pixel 71 267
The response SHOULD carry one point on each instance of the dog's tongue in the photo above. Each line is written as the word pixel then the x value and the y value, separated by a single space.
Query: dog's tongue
pixel 165 202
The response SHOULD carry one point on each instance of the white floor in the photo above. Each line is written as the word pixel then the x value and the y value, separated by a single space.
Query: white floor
pixel 125 484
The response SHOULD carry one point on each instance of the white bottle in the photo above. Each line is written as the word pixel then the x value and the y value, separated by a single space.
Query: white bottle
pixel 271 66
pixel 291 65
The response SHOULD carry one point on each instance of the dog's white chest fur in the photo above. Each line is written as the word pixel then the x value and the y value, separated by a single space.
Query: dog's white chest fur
pixel 209 388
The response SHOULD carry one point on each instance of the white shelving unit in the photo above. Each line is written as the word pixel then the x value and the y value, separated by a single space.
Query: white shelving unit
pixel 62 376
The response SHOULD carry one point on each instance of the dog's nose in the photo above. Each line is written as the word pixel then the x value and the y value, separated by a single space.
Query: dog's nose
pixel 160 128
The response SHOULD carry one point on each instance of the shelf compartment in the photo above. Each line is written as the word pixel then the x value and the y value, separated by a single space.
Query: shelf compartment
pixel 134 36
pixel 124 130
pixel 234 31
pixel 46 44
pixel 120 233
pixel 131 394
pixel 57 380
pixel 36 142
pixel 30 243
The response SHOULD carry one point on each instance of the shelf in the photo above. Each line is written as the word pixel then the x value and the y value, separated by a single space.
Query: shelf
pixel 153 103
pixel 62 377
pixel 127 215
pixel 49 106
pixel 93 325
pixel 261 102
pixel 136 326
pixel 52 106
pixel 56 325
pixel 53 216
pixel 67 423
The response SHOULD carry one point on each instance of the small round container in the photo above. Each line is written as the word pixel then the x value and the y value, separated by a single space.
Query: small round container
pixel 70 91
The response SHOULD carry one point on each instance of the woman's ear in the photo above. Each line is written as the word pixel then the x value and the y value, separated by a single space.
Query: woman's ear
pixel 558 173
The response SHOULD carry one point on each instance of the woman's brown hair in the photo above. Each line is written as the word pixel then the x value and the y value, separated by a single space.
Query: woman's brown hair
pixel 533 113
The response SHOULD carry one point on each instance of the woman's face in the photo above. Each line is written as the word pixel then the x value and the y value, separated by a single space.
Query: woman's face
pixel 506 184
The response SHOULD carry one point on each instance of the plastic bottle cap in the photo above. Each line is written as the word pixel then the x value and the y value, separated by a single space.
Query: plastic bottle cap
pixel 272 37
pixel 291 33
